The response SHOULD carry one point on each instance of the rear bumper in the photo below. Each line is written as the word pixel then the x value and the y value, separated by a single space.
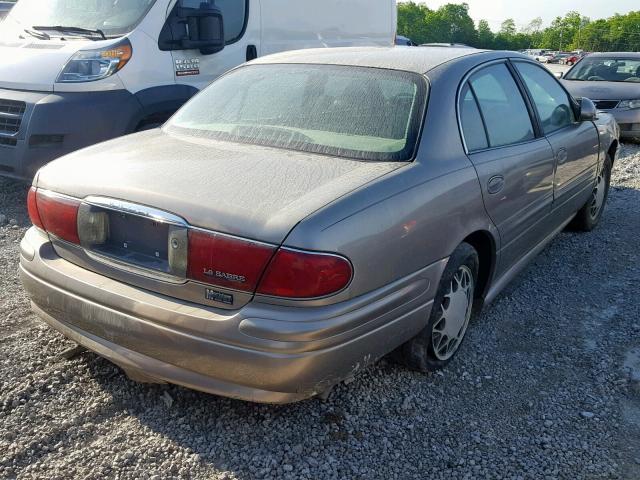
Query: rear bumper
pixel 294 353
pixel 54 124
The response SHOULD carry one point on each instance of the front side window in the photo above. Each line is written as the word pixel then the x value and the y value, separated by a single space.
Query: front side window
pixel 606 69
pixel 113 17
pixel 353 112
pixel 549 98
pixel 505 114
pixel 234 14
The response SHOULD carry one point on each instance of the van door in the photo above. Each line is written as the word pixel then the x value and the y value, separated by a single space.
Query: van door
pixel 575 144
pixel 242 34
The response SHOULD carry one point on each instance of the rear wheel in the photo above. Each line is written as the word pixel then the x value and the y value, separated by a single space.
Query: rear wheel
pixel 435 346
pixel 590 214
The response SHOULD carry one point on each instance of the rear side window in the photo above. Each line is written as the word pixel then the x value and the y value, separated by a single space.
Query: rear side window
pixel 472 127
pixel 549 98
pixel 505 114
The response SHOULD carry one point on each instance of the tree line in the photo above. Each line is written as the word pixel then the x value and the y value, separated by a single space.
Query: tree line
pixel 451 23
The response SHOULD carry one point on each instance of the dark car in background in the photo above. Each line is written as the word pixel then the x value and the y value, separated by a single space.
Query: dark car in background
pixel 405 42
pixel 612 81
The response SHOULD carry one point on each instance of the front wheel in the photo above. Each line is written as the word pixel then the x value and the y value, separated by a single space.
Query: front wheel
pixel 590 214
pixel 438 342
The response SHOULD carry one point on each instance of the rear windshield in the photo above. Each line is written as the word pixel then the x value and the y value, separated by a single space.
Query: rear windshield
pixel 603 69
pixel 353 112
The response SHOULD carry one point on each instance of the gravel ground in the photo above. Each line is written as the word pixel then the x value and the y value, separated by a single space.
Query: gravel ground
pixel 547 385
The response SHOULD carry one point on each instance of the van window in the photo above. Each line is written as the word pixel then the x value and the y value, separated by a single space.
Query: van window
pixel 549 98
pixel 472 127
pixel 505 113
pixel 234 13
pixel 353 112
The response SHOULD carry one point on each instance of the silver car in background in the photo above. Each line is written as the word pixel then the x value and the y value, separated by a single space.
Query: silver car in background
pixel 612 81
pixel 312 211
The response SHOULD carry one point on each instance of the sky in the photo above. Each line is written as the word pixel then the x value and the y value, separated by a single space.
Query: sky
pixel 523 11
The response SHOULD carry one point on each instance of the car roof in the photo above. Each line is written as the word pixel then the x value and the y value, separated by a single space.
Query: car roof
pixel 418 60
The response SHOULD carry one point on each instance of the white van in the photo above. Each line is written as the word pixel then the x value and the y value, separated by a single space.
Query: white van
pixel 77 72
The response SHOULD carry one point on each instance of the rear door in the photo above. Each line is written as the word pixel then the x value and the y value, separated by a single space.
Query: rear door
pixel 575 144
pixel 514 163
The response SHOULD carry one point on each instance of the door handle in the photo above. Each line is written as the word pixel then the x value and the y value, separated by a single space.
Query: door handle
pixel 495 184
pixel 252 52
pixel 562 156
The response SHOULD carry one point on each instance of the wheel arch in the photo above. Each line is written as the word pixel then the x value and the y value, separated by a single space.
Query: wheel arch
pixel 159 103
pixel 485 244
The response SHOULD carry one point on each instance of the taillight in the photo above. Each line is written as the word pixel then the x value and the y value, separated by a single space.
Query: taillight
pixel 32 208
pixel 58 215
pixel 298 274
pixel 226 261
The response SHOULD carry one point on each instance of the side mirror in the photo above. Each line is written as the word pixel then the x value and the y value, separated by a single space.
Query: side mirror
pixel 588 111
pixel 559 75
pixel 190 28
pixel 205 28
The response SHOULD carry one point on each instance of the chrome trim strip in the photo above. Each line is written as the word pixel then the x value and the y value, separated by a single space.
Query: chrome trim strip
pixel 135 209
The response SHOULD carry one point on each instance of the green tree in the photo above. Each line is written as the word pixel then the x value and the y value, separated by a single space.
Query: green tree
pixel 453 24
pixel 412 22
pixel 486 38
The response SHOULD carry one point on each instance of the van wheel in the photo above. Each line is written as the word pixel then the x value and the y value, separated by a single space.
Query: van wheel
pixel 435 346
pixel 590 214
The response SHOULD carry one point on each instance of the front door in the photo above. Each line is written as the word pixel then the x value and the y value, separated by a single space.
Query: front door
pixel 575 144
pixel 515 168
pixel 242 34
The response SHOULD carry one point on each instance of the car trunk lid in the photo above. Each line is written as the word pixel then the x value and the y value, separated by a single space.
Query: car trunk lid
pixel 250 191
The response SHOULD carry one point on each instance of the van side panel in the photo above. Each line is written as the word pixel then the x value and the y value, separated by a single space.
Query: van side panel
pixel 299 24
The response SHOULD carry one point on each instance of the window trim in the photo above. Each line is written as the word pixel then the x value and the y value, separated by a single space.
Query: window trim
pixel 572 101
pixel 465 80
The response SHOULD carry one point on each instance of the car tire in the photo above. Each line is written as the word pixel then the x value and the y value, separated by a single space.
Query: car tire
pixel 591 212
pixel 432 348
pixel 570 63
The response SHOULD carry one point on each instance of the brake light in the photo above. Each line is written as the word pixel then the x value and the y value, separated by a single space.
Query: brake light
pixel 32 208
pixel 226 261
pixel 297 274
pixel 58 215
